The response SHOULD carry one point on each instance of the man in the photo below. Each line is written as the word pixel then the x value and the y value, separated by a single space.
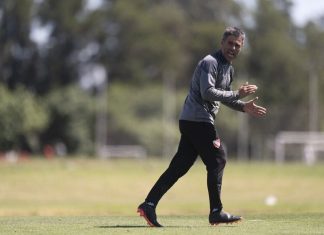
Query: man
pixel 210 85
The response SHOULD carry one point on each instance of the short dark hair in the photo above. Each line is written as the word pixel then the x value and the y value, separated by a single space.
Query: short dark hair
pixel 233 31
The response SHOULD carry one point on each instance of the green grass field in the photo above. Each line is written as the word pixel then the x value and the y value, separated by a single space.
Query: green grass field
pixel 82 196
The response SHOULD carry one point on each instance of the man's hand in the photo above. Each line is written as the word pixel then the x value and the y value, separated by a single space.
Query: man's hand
pixel 254 110
pixel 247 89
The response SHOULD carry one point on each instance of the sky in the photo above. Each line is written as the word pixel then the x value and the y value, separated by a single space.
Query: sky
pixel 40 34
pixel 302 10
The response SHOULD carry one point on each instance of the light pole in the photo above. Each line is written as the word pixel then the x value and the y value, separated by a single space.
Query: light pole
pixel 169 109
pixel 313 100
pixel 243 137
pixel 94 76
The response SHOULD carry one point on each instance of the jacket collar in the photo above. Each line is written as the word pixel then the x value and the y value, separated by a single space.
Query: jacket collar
pixel 219 56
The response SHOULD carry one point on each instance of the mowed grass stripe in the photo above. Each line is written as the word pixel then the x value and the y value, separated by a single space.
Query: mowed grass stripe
pixel 256 224
pixel 116 187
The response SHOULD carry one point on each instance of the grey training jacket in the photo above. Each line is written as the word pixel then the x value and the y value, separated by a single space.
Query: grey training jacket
pixel 210 85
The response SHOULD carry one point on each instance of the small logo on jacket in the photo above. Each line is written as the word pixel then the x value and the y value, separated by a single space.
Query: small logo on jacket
pixel 217 143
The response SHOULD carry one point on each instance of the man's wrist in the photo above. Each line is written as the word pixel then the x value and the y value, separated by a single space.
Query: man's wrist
pixel 243 107
pixel 236 94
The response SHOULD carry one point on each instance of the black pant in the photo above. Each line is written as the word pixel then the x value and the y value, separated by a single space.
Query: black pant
pixel 197 138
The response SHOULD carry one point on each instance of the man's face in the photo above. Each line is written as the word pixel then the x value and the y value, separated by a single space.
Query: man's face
pixel 231 47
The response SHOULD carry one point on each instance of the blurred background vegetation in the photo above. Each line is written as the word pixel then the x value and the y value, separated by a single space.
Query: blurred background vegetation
pixel 78 73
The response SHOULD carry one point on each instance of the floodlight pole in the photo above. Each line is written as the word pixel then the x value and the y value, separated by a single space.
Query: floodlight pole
pixel 101 118
pixel 313 100
pixel 169 109
pixel 243 137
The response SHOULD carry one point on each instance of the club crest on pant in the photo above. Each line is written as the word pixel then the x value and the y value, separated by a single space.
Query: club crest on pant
pixel 217 143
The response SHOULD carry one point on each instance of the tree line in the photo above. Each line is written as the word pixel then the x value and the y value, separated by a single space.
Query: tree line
pixel 53 54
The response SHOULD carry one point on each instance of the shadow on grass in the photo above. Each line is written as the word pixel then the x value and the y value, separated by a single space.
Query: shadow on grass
pixel 121 226
pixel 145 226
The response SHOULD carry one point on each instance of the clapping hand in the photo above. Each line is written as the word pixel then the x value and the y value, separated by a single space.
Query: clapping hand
pixel 254 110
pixel 247 89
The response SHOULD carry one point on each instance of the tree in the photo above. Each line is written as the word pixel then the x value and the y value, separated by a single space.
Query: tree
pixel 23 117
pixel 18 52
pixel 71 113
pixel 59 56
pixel 148 41
pixel 275 62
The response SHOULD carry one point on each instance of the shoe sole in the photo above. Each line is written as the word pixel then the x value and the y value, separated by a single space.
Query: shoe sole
pixel 142 213
pixel 232 222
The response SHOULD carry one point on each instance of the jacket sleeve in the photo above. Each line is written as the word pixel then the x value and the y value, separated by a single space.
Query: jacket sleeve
pixel 207 86
pixel 235 104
